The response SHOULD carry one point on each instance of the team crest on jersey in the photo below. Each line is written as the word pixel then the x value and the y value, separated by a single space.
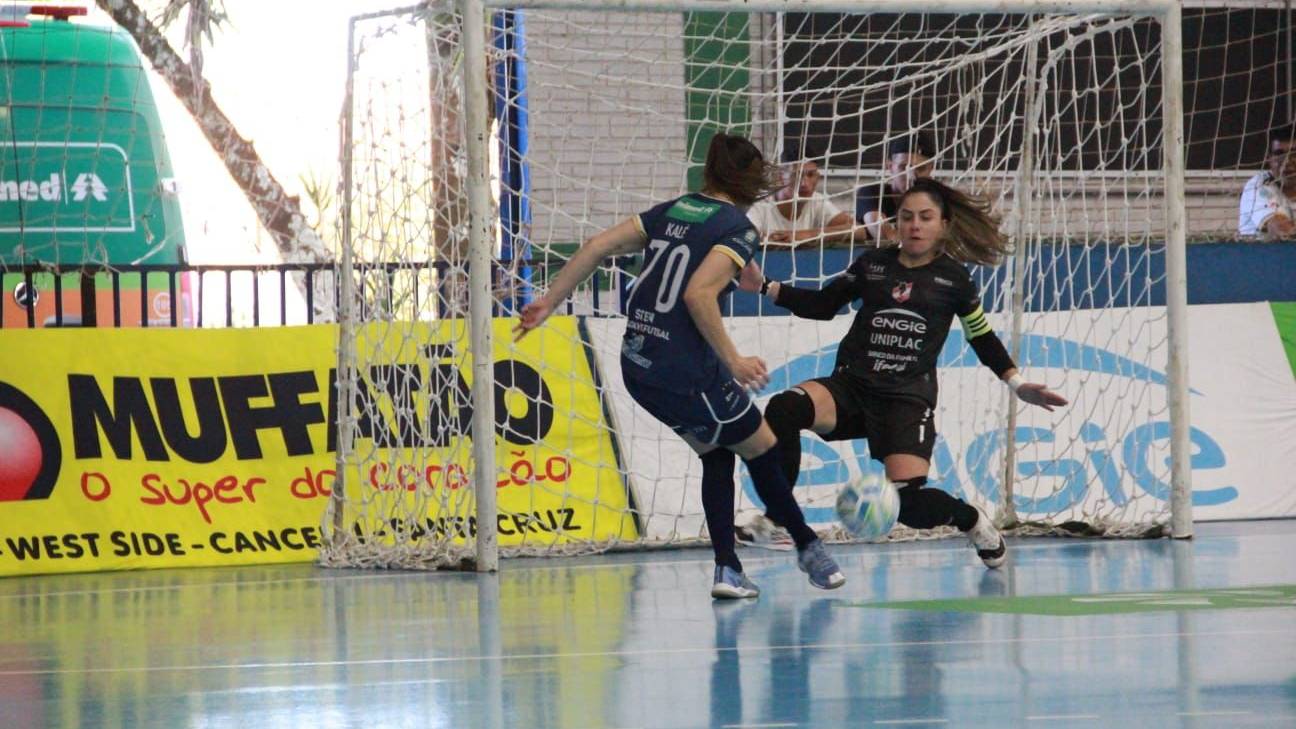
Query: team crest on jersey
pixel 901 291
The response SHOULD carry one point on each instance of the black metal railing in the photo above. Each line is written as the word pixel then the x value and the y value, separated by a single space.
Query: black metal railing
pixel 104 295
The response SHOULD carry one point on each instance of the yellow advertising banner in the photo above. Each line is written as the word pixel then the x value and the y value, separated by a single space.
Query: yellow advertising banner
pixel 137 448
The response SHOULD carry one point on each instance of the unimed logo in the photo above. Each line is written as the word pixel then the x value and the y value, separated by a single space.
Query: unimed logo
pixel 30 453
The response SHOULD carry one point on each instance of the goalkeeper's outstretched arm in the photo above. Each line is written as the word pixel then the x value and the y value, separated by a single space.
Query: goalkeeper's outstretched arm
pixel 822 304
pixel 992 353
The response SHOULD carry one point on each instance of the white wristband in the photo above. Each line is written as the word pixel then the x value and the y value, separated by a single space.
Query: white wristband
pixel 1015 382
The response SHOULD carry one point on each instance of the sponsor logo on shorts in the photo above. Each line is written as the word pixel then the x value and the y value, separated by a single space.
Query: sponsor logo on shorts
pixel 630 347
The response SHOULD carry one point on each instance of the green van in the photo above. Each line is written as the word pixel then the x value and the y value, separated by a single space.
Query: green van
pixel 85 178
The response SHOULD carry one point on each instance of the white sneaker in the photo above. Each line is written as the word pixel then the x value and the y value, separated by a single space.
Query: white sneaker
pixel 987 541
pixel 760 531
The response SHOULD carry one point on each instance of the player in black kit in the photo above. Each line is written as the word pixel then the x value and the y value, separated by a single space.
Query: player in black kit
pixel 883 386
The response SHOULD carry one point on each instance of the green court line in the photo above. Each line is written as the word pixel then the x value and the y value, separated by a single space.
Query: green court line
pixel 1233 598
pixel 1284 314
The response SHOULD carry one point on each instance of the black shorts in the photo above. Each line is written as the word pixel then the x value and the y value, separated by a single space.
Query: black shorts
pixel 892 423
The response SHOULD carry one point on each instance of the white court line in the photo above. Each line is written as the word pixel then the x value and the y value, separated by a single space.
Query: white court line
pixel 771 558
pixel 955 546
pixel 707 560
pixel 1061 717
pixel 911 721
pixel 1214 713
pixel 1115 637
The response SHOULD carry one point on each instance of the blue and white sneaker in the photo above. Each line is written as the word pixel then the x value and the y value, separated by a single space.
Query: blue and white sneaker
pixel 814 561
pixel 730 584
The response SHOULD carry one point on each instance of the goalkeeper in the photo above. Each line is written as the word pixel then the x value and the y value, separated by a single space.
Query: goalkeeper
pixel 679 363
pixel 883 386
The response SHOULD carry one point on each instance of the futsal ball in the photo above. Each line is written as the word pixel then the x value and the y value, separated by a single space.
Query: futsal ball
pixel 868 507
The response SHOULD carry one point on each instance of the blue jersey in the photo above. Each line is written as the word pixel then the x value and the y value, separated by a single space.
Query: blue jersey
pixel 662 345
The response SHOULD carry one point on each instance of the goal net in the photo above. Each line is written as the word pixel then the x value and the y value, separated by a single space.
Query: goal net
pixel 594 115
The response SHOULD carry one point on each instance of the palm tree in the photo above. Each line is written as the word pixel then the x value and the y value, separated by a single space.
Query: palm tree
pixel 279 212
pixel 450 204
pixel 444 56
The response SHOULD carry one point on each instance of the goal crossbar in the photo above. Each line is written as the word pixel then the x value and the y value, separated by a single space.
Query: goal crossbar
pixel 1167 11
pixel 1122 7
pixel 477 96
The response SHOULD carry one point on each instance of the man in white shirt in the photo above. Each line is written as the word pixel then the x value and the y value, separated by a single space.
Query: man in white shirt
pixel 798 214
pixel 1267 207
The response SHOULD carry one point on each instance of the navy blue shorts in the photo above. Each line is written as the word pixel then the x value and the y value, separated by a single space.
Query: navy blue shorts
pixel 722 415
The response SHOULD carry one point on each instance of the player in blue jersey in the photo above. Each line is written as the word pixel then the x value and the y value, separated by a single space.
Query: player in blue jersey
pixel 678 362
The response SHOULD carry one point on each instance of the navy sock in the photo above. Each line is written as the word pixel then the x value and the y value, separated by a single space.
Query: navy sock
pixel 718 504
pixel 772 487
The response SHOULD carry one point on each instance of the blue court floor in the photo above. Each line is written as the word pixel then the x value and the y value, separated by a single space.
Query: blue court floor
pixel 1146 634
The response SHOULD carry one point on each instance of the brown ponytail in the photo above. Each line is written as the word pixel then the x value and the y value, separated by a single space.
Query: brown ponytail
pixel 736 168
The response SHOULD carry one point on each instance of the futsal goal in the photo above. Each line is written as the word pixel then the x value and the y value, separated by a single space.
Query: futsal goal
pixel 490 138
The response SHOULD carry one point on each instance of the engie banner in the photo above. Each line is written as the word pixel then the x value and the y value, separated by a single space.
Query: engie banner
pixel 180 447
pixel 1242 408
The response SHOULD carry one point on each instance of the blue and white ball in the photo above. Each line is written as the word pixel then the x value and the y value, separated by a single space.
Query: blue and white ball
pixel 868 507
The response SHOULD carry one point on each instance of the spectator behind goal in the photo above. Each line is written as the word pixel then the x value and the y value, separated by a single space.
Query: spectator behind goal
pixel 909 157
pixel 1266 208
pixel 798 214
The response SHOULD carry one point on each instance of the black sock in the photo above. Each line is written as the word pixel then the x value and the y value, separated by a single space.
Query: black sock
pixel 788 413
pixel 924 508
pixel 718 505
pixel 776 492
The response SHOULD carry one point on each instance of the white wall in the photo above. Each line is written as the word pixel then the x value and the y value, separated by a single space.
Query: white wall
pixel 607 118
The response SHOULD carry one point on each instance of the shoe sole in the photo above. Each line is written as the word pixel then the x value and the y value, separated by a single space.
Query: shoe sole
pixel 729 592
pixel 994 558
pixel 831 585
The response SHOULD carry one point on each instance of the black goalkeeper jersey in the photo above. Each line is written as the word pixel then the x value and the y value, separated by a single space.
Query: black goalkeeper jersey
pixel 903 319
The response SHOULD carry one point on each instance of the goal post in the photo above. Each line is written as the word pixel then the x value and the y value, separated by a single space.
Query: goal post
pixel 456 445
pixel 1176 271
pixel 481 249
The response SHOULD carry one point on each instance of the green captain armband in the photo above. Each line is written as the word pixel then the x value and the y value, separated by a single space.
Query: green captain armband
pixel 975 324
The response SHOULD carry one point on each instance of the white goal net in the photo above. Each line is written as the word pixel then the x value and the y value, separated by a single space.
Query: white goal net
pixel 594 115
